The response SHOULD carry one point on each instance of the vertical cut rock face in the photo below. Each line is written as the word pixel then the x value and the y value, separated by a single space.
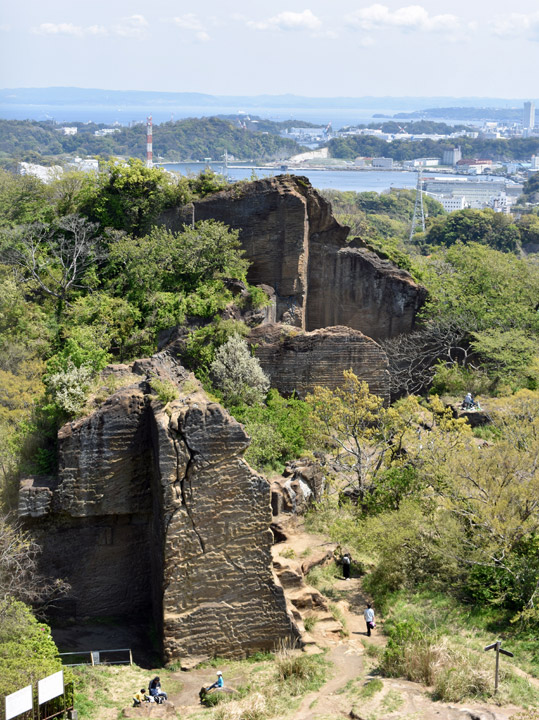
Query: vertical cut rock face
pixel 155 514
pixel 296 246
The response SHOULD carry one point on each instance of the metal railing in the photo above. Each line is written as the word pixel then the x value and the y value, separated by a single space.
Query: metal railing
pixel 97 657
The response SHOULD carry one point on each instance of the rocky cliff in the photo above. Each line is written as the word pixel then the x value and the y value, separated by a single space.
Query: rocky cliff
pixel 155 514
pixel 296 246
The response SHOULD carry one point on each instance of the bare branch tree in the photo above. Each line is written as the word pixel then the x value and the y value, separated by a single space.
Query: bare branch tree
pixel 19 575
pixel 413 357
pixel 56 259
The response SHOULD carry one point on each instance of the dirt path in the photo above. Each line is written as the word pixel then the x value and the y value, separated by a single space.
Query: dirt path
pixel 342 695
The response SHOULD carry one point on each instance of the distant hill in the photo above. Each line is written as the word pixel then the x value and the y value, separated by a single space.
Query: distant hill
pixel 93 96
pixel 190 139
pixel 495 114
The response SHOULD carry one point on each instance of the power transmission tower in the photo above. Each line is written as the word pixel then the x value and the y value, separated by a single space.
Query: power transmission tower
pixel 419 212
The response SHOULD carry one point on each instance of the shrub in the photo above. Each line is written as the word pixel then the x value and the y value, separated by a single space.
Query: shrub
pixel 300 672
pixel 27 650
pixel 68 388
pixel 457 380
pixel 237 374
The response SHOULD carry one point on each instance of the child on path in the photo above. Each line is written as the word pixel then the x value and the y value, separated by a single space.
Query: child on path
pixel 369 619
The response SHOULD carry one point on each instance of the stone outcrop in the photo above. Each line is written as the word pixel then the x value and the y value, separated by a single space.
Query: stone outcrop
pixel 296 246
pixel 155 514
pixel 302 483
pixel 296 361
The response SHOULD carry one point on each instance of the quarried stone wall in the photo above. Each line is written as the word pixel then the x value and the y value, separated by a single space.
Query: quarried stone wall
pixel 155 514
pixel 296 361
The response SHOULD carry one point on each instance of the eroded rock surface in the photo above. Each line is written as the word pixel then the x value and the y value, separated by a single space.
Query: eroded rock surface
pixel 156 514
pixel 296 361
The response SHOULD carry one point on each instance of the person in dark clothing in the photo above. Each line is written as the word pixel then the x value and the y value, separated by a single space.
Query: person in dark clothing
pixel 346 565
pixel 155 689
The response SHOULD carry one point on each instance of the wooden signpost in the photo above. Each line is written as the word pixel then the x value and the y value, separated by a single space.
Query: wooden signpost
pixel 498 646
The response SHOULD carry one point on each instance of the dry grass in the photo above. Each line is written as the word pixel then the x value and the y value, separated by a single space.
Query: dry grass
pixel 254 707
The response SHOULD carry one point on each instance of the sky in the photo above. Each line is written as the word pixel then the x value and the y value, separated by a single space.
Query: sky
pixel 312 48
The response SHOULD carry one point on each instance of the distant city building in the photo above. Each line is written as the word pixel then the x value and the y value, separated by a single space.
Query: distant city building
pixel 497 192
pixel 359 162
pixel 528 117
pixel 383 163
pixel 85 164
pixel 106 131
pixel 451 157
pixel 535 162
pixel 474 167
pixel 450 203
pixel 69 130
pixel 422 162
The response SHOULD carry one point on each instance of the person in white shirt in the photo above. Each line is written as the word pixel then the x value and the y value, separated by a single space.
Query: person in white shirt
pixel 369 619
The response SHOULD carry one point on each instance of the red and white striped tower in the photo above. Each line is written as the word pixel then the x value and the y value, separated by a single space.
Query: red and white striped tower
pixel 149 146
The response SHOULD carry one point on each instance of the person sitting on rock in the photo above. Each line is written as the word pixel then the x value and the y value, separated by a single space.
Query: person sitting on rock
pixel 155 690
pixel 218 684
pixel 468 402
pixel 139 697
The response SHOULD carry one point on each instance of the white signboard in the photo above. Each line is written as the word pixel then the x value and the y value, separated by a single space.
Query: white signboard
pixel 50 687
pixel 19 702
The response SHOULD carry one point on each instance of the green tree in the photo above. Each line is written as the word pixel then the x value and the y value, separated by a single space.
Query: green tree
pixel 23 200
pixel 56 259
pixel 176 262
pixel 475 226
pixel 129 196
pixel 366 438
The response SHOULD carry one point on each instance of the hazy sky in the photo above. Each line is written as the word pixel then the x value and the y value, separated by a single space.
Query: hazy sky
pixel 311 47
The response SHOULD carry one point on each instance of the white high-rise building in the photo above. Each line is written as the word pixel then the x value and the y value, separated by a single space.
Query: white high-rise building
pixel 528 117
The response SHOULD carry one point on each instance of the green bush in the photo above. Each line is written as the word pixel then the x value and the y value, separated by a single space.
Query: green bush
pixel 278 430
pixel 27 650
pixel 165 389
pixel 456 380
pixel 237 374
pixel 301 672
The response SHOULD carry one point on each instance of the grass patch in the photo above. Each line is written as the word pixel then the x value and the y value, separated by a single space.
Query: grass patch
pixel 392 701
pixel 474 626
pixel 301 673
pixel 309 621
pixel 338 615
pixel 372 651
pixel 370 688
pixel 93 687
pixel 288 553
pixel 452 662
pixel 323 578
